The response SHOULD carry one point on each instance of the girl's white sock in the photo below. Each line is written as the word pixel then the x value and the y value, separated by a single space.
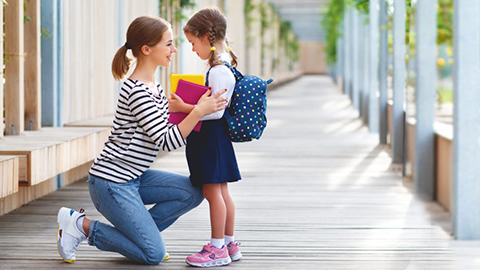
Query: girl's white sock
pixel 229 239
pixel 218 243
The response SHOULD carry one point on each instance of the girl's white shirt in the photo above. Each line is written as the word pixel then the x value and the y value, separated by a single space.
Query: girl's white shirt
pixel 220 77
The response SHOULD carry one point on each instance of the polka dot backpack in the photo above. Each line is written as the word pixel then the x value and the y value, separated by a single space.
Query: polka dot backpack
pixel 246 116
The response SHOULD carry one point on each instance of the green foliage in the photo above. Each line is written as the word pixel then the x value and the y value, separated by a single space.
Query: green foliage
pixel 263 18
pixel 178 14
pixel 249 19
pixel 361 5
pixel 249 8
pixel 45 33
pixel 263 27
pixel 445 22
pixel 294 51
pixel 444 95
pixel 409 12
pixel 25 17
pixel 286 38
pixel 331 22
pixel 289 41
pixel 283 31
pixel 184 4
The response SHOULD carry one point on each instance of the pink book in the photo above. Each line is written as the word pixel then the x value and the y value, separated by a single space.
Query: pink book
pixel 190 93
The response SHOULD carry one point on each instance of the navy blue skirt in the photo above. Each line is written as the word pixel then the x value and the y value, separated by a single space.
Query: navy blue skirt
pixel 210 154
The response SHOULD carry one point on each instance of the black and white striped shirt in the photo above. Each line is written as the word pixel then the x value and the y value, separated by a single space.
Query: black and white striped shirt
pixel 140 129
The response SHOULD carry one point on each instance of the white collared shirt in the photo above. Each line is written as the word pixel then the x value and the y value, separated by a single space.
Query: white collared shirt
pixel 220 77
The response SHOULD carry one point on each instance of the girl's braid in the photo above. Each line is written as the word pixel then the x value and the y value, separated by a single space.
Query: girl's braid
pixel 211 36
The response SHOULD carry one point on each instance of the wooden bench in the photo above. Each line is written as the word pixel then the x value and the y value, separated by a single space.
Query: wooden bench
pixel 9 175
pixel 48 152
pixel 105 121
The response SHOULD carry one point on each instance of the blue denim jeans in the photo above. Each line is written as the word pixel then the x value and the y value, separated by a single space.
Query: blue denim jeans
pixel 136 231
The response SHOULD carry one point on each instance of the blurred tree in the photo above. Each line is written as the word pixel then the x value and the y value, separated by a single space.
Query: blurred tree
pixel 332 19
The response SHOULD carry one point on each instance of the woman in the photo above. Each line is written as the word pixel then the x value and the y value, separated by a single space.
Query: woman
pixel 120 181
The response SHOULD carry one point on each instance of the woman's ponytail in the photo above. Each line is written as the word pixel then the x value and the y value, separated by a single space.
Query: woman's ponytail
pixel 144 30
pixel 120 63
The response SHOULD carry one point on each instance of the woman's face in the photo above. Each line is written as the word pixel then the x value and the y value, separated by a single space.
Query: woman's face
pixel 201 46
pixel 162 52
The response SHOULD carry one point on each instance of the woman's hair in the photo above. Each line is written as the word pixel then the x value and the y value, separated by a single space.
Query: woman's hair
pixel 212 23
pixel 144 30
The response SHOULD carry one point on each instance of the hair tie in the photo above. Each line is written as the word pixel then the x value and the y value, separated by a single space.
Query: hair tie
pixel 212 48
pixel 127 46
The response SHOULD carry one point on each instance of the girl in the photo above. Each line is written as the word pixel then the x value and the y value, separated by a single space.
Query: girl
pixel 210 154
pixel 120 181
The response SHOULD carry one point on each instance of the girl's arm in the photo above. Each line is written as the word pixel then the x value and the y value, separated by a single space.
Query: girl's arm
pixel 220 78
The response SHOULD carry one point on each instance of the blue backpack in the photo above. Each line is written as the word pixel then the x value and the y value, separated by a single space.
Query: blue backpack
pixel 246 116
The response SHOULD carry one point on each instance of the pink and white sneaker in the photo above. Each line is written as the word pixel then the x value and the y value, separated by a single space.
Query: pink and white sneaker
pixel 234 251
pixel 210 256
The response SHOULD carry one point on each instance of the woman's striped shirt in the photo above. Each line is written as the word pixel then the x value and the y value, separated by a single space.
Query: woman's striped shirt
pixel 140 129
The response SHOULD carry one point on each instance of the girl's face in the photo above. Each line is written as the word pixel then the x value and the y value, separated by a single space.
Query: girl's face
pixel 201 46
pixel 162 52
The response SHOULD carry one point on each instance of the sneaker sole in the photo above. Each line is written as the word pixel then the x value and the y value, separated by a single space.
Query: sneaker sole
pixel 58 250
pixel 61 212
pixel 237 256
pixel 167 257
pixel 218 262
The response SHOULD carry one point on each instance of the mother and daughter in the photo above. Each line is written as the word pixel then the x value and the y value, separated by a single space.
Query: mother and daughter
pixel 120 181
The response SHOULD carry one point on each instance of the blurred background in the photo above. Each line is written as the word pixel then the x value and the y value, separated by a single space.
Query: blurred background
pixel 374 113
pixel 393 59
pixel 56 72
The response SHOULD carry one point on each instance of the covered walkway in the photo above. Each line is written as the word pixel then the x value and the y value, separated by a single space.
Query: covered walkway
pixel 318 192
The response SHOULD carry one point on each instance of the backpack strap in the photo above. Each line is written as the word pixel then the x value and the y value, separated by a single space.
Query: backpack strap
pixel 235 72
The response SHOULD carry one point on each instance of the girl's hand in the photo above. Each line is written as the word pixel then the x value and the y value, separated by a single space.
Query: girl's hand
pixel 176 103
pixel 207 105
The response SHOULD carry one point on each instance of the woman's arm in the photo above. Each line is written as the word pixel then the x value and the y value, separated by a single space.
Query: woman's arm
pixel 176 104
pixel 154 119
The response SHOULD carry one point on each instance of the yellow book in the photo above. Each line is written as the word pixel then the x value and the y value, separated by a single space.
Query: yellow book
pixel 193 78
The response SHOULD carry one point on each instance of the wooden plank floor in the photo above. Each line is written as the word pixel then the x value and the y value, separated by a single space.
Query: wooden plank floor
pixel 318 193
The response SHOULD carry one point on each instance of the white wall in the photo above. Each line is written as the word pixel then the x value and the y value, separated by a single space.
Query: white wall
pixel 90 39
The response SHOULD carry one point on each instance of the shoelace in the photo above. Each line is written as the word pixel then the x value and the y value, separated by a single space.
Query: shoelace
pixel 236 243
pixel 205 249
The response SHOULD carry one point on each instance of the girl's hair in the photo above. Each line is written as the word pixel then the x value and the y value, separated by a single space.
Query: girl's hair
pixel 210 22
pixel 144 30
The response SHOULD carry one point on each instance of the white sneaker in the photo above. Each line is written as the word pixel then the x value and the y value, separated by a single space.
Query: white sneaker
pixel 69 236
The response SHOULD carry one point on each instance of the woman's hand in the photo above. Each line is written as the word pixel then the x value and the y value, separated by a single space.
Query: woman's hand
pixel 207 105
pixel 176 103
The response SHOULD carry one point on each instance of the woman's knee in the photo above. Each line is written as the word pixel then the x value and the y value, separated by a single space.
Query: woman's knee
pixel 197 196
pixel 154 255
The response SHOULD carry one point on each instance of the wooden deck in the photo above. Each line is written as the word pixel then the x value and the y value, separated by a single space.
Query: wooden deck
pixel 318 193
